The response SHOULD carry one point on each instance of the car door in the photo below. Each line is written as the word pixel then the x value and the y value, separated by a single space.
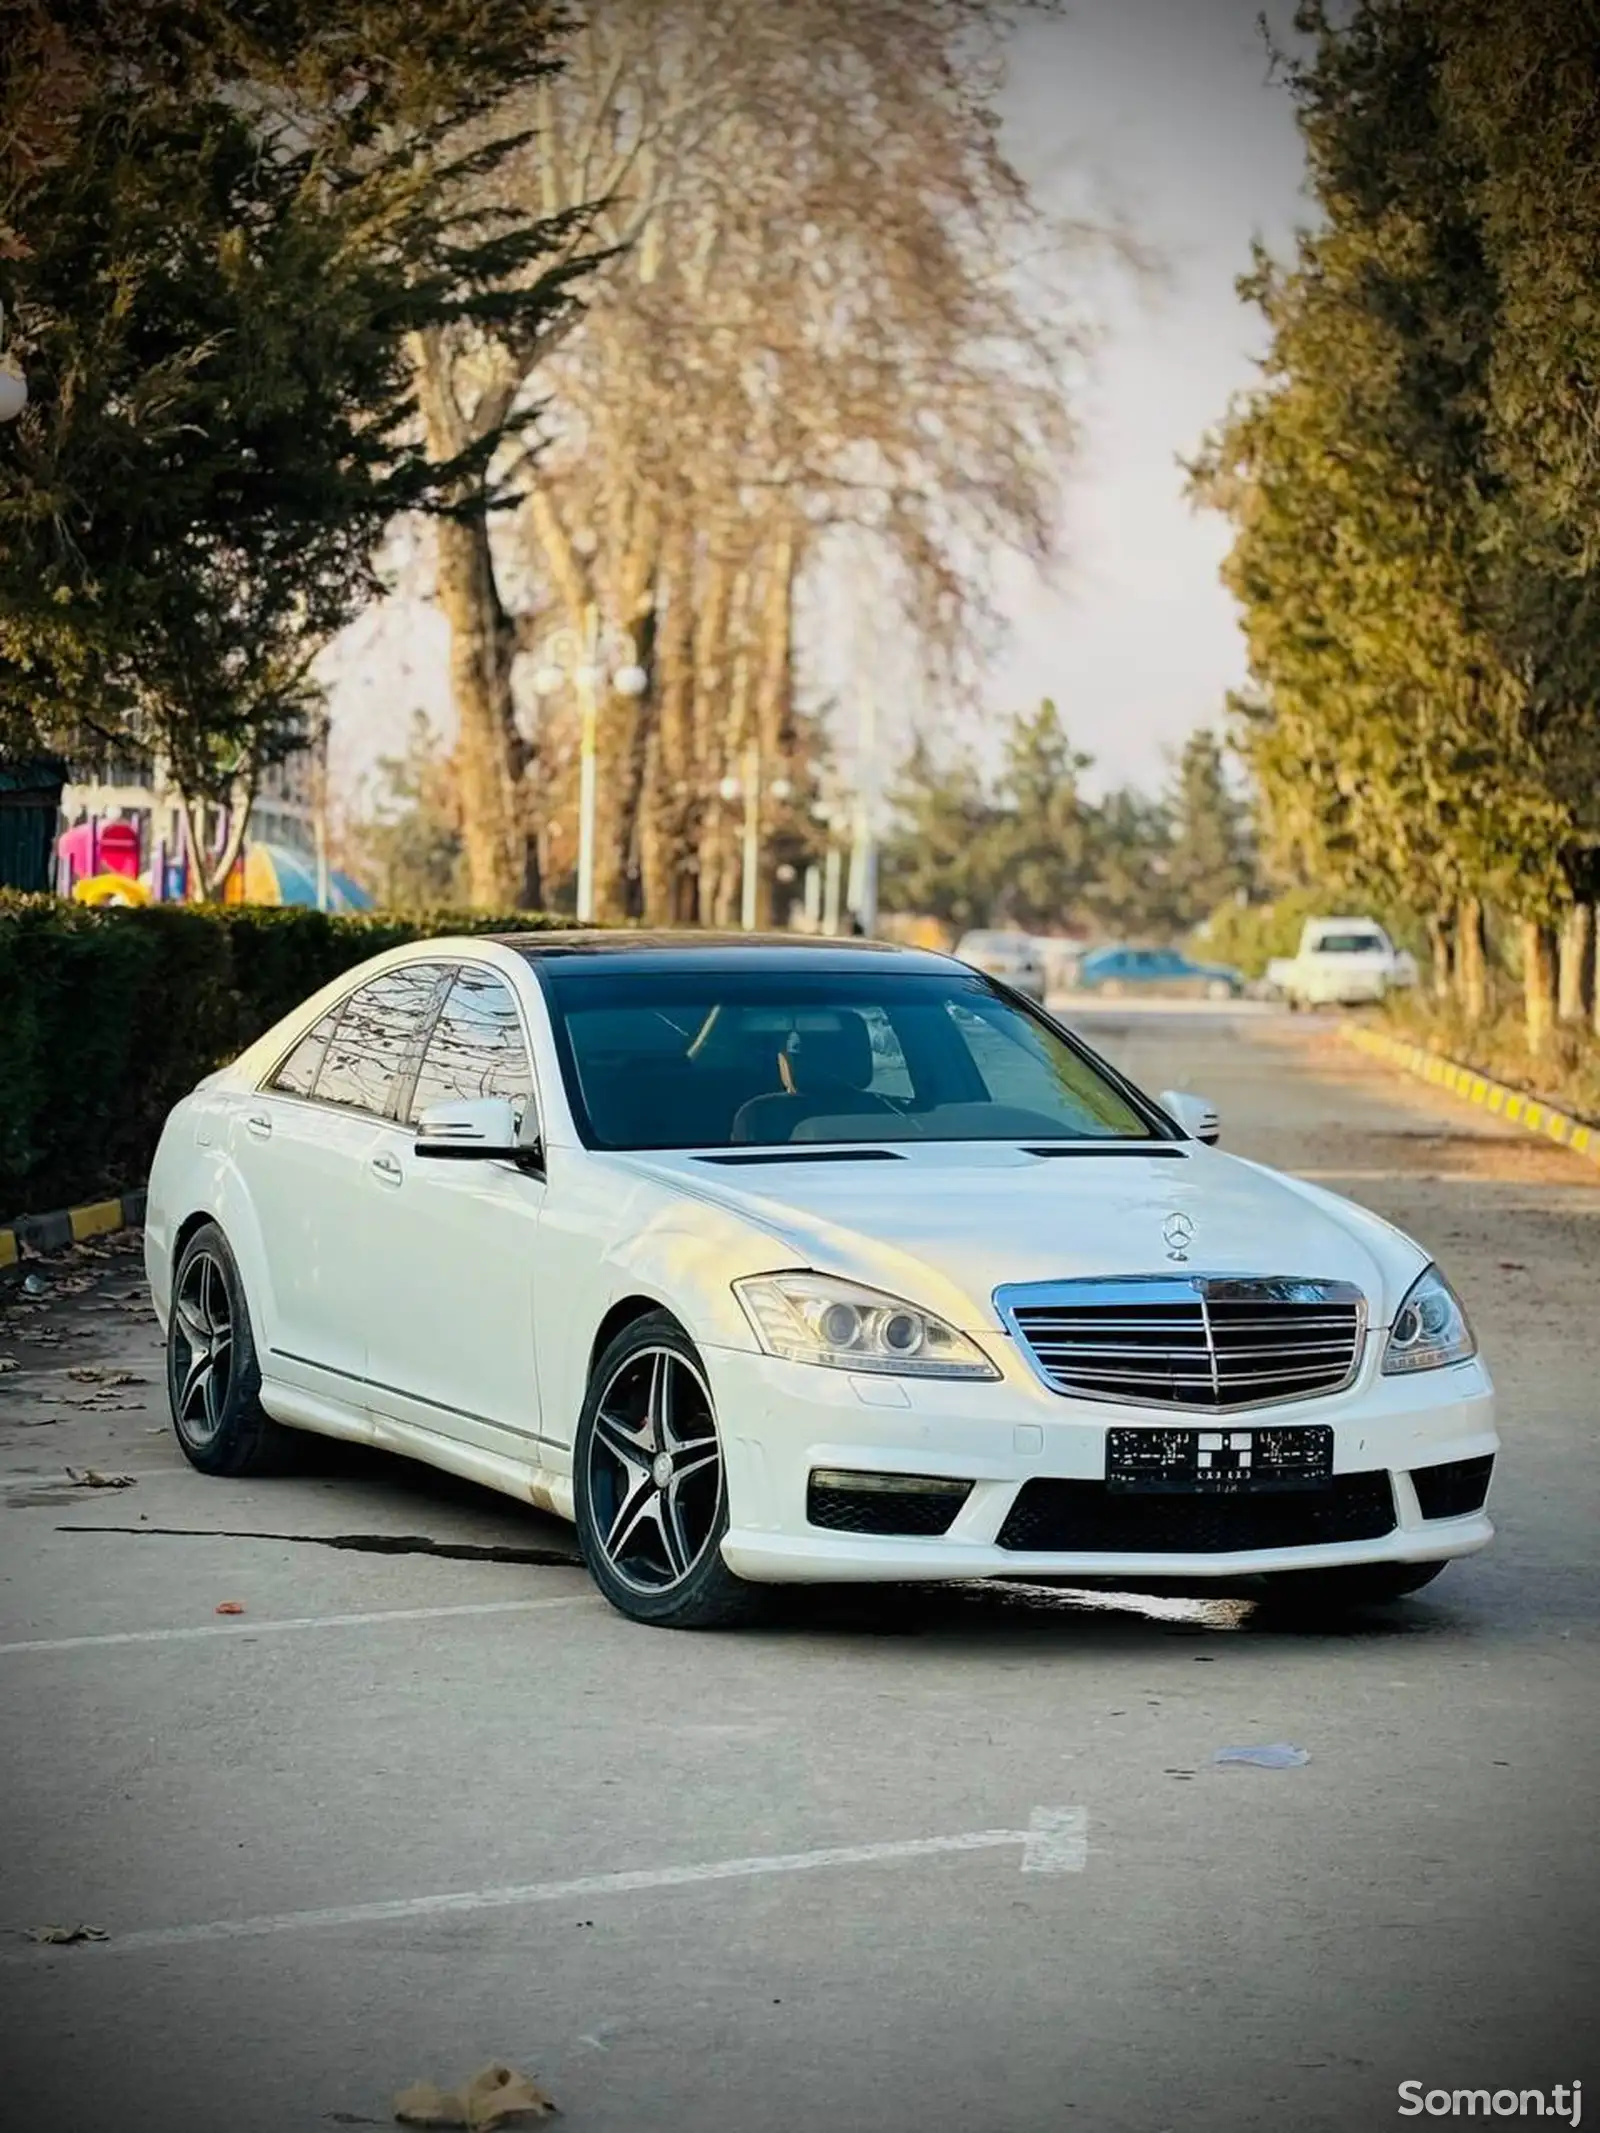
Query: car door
pixel 451 1348
pixel 308 1144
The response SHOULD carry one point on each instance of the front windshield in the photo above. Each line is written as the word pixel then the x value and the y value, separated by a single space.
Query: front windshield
pixel 721 1057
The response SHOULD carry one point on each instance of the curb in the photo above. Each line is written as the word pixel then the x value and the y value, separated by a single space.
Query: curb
pixel 70 1225
pixel 1515 1106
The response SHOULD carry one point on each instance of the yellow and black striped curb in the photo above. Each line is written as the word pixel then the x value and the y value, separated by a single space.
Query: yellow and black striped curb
pixel 34 1234
pixel 1515 1106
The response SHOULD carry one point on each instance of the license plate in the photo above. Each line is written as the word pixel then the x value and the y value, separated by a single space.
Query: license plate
pixel 1218 1462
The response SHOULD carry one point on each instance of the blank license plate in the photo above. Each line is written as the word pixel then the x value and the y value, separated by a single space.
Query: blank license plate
pixel 1218 1462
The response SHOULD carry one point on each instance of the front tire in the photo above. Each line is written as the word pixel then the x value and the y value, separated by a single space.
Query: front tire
pixel 1331 1592
pixel 213 1375
pixel 650 1490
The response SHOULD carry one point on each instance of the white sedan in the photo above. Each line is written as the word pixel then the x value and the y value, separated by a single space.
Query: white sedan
pixel 768 1263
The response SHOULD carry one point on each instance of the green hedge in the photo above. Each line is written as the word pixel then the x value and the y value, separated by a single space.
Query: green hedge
pixel 108 1016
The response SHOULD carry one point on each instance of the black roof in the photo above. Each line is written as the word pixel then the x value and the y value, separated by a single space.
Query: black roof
pixel 699 951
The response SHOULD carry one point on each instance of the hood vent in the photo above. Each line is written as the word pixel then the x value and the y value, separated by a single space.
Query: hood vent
pixel 1054 1152
pixel 804 1155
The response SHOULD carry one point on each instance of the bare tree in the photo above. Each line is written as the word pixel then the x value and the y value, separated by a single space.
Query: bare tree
pixel 815 313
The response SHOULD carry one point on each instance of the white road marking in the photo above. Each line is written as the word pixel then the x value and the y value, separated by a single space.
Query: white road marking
pixel 1054 1843
pixel 1057 1841
pixel 244 1627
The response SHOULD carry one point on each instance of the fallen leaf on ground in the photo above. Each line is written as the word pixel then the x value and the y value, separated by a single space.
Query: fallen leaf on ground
pixel 97 1374
pixel 500 2096
pixel 424 2104
pixel 64 1936
pixel 86 1477
pixel 230 1607
pixel 8 1362
pixel 496 2096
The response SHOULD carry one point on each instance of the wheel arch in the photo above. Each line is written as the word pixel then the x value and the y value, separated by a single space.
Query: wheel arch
pixel 626 1312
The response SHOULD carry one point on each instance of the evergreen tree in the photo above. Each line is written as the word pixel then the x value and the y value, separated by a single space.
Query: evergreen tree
pixel 216 279
pixel 1209 858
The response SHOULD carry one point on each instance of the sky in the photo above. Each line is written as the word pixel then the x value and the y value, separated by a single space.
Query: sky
pixel 1165 108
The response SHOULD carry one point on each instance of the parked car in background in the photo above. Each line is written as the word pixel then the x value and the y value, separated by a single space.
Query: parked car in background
pixel 1115 971
pixel 1342 962
pixel 1013 958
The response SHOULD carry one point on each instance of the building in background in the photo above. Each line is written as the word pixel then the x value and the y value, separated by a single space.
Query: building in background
pixel 30 808
pixel 123 838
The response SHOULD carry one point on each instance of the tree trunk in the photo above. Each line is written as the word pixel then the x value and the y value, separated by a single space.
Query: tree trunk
pixel 718 619
pixel 1538 985
pixel 1439 945
pixel 665 846
pixel 1471 962
pixel 501 851
pixel 1575 988
pixel 498 825
pixel 774 708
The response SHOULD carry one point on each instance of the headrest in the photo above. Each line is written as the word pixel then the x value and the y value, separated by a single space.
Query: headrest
pixel 826 1056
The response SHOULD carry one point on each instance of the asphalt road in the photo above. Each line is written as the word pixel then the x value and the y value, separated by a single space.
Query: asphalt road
pixel 1127 1936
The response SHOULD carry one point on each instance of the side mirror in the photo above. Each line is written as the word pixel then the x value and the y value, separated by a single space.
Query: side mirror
pixel 483 1130
pixel 1197 1115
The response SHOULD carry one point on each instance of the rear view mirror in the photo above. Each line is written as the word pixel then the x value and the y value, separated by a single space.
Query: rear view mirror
pixel 1195 1114
pixel 483 1130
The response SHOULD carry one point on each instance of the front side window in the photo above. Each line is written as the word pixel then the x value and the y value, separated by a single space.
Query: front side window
pixel 718 1056
pixel 476 1047
pixel 368 1051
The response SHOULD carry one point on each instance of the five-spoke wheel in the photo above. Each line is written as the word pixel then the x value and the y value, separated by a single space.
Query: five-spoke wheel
pixel 213 1379
pixel 650 1489
pixel 202 1347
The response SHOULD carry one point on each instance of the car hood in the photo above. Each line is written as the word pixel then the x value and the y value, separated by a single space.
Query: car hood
pixel 947 1226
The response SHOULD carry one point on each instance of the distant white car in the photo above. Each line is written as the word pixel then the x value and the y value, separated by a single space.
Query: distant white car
pixel 772 1263
pixel 1341 962
pixel 1013 958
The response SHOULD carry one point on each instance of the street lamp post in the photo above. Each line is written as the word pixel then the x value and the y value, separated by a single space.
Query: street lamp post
pixel 575 656
pixel 747 787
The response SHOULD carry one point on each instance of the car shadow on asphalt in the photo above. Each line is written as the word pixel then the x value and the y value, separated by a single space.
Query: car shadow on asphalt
pixel 998 1614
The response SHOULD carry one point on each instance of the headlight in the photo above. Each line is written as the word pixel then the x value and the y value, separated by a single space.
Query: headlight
pixel 815 1318
pixel 1430 1328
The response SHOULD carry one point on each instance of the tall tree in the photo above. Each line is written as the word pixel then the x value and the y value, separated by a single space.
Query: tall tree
pixel 215 274
pixel 1413 740
pixel 1209 858
pixel 1042 839
pixel 806 322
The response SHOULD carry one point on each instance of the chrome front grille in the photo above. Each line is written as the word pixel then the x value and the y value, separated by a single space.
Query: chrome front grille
pixel 1207 1341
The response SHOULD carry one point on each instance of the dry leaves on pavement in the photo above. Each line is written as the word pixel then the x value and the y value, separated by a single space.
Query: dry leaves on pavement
pixel 65 1936
pixel 496 2096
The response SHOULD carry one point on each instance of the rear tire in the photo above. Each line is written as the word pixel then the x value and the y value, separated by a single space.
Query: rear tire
pixel 649 1487
pixel 213 1375
pixel 1334 1591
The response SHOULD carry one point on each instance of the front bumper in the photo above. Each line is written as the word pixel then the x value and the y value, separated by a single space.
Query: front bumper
pixel 782 1421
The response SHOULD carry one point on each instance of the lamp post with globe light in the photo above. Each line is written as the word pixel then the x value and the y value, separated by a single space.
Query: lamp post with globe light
pixel 579 656
pixel 747 787
pixel 13 384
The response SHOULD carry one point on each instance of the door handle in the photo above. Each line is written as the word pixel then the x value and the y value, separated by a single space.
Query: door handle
pixel 386 1170
pixel 258 1125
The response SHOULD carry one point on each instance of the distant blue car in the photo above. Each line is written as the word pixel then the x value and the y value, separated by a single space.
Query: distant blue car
pixel 1127 970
